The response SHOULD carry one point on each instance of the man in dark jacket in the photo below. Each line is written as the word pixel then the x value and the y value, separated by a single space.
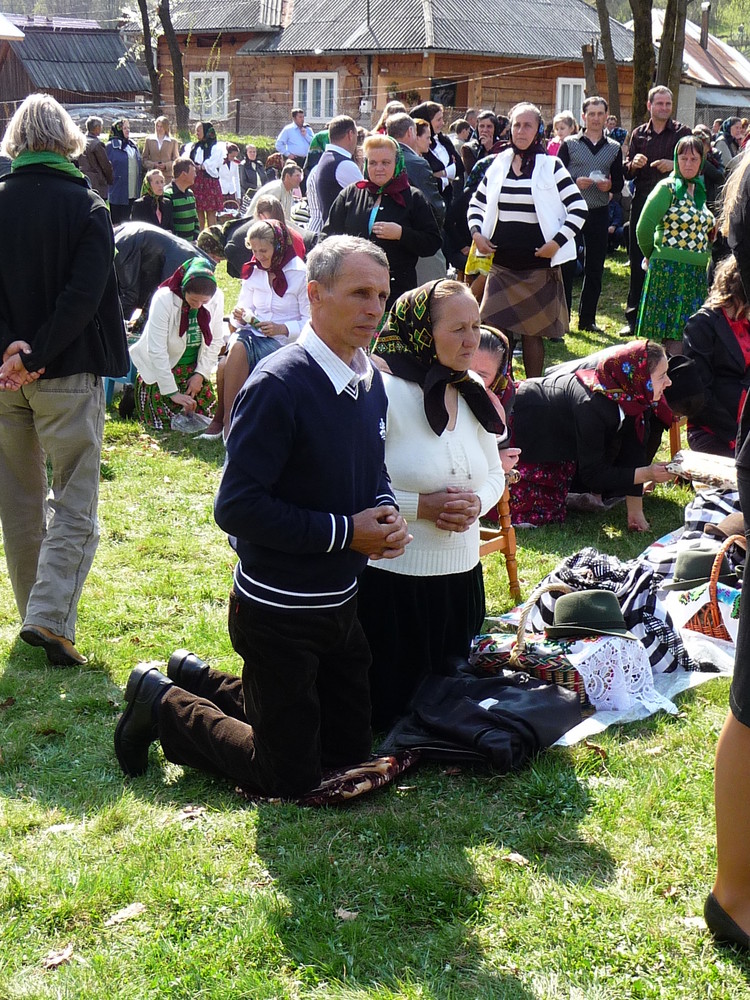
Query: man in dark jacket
pixel 93 161
pixel 402 128
pixel 305 499
pixel 61 331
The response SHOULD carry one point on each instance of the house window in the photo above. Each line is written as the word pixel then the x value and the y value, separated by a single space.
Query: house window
pixel 209 95
pixel 316 94
pixel 570 93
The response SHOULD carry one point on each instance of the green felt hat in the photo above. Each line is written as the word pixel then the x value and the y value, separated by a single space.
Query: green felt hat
pixel 588 612
pixel 693 569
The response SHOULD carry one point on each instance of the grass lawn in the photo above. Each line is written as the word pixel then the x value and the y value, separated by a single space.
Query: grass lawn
pixel 581 878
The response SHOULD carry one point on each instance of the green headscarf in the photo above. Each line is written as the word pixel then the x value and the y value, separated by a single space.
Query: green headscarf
pixel 320 140
pixel 148 192
pixel 681 183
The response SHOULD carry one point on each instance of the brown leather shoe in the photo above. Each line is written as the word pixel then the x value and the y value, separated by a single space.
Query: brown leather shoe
pixel 60 651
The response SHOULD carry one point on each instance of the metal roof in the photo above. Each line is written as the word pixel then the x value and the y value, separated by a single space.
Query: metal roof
pixel 9 31
pixel 242 15
pixel 78 61
pixel 537 29
pixel 720 65
pixel 711 97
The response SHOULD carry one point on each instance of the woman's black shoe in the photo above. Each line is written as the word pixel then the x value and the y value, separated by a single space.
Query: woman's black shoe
pixel 721 924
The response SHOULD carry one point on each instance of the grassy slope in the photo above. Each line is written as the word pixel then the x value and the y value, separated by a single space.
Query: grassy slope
pixel 253 902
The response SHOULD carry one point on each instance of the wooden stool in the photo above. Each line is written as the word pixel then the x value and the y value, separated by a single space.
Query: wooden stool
pixel 503 539
pixel 675 435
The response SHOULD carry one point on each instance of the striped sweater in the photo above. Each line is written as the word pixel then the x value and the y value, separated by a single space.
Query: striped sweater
pixel 523 225
pixel 184 214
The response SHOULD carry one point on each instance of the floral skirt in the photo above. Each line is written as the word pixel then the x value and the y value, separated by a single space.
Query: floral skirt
pixel 539 495
pixel 672 292
pixel 207 191
pixel 156 411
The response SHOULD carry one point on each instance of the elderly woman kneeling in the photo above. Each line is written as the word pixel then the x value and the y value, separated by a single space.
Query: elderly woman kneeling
pixel 179 347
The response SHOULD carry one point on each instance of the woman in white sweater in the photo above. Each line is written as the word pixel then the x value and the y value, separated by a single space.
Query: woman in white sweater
pixel 272 307
pixel 179 346
pixel 421 611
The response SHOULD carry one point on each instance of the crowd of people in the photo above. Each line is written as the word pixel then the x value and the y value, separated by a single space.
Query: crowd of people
pixel 363 387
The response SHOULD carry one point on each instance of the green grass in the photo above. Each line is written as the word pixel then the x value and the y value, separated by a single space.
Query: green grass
pixel 250 902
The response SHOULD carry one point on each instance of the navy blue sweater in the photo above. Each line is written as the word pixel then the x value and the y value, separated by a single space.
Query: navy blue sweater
pixel 300 462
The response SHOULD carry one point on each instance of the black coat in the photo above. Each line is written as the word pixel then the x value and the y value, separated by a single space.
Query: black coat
pixel 420 237
pixel 557 419
pixel 144 210
pixel 252 176
pixel 60 293
pixel 709 341
pixel 146 256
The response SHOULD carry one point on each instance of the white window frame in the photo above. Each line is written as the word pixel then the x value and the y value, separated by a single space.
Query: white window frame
pixel 216 108
pixel 571 82
pixel 316 111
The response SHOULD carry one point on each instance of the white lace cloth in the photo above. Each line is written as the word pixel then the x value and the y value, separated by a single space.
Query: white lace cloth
pixel 616 674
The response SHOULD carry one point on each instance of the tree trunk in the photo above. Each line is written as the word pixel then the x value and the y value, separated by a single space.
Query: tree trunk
pixel 148 55
pixel 181 109
pixel 613 83
pixel 675 71
pixel 643 58
pixel 589 71
pixel 666 46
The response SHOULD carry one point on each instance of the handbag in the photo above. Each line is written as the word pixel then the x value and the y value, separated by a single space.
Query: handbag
pixel 487 660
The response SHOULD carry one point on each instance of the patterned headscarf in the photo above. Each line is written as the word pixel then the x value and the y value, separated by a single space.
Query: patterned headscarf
pixel 407 344
pixel 148 192
pixel 116 132
pixel 396 185
pixel 623 377
pixel 320 140
pixel 198 267
pixel 283 252
pixel 206 143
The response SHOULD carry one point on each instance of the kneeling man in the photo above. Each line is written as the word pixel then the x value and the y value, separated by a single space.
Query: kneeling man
pixel 306 499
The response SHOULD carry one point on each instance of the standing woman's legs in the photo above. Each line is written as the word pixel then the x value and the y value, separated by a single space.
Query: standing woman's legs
pixel 732 773
pixel 533 356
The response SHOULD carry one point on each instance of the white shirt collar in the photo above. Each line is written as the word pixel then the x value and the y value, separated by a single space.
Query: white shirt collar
pixel 344 377
pixel 338 149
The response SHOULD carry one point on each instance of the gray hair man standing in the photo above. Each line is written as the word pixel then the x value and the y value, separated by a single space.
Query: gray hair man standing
pixel 93 161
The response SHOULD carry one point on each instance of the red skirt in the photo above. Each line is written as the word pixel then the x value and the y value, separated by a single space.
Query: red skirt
pixel 207 191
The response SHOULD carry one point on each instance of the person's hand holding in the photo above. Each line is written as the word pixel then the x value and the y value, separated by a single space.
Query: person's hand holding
pixel 379 533
pixel 269 329
pixel 663 166
pixel 509 458
pixel 483 245
pixel 584 182
pixel 387 230
pixel 13 372
pixel 548 251
pixel 194 386
pixel 638 162
pixel 659 473
pixel 187 403
pixel 605 185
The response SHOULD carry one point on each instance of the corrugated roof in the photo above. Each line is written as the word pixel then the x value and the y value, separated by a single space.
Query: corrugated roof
pixel 242 15
pixel 719 66
pixel 540 29
pixel 710 97
pixel 79 61
pixel 54 23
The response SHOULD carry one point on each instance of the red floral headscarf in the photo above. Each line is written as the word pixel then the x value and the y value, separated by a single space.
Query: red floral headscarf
pixel 283 252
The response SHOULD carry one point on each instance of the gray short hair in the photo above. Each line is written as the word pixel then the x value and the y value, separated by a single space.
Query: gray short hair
pixel 399 124
pixel 324 261
pixel 94 122
pixel 40 125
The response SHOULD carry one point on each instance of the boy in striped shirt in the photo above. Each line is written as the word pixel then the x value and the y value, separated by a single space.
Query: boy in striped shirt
pixel 184 213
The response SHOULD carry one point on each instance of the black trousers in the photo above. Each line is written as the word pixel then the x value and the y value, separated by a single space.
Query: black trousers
pixel 637 274
pixel 594 235
pixel 303 702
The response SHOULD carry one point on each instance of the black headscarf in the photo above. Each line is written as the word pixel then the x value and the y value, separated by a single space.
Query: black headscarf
pixel 116 132
pixel 206 143
pixel 407 344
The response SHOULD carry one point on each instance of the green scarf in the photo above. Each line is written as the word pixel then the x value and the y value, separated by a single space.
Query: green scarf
pixel 46 159
pixel 681 183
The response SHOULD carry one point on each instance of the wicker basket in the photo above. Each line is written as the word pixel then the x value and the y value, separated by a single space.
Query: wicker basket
pixel 708 620
pixel 553 669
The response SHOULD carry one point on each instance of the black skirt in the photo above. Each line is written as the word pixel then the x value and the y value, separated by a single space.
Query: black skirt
pixel 415 625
